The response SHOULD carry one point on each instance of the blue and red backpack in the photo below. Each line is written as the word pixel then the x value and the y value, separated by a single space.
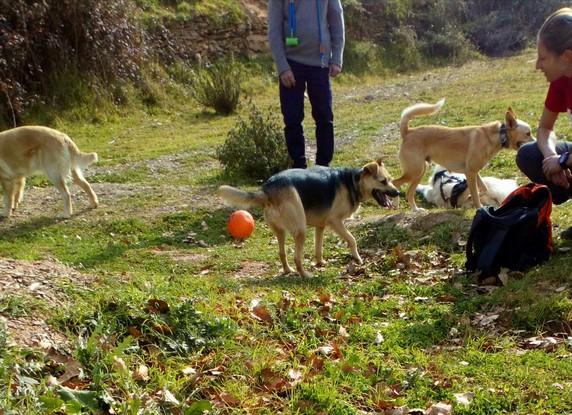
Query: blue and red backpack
pixel 517 235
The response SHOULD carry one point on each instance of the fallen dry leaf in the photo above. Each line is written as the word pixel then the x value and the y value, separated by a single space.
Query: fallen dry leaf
pixel 439 409
pixel 141 373
pixel 168 397
pixel 261 313
pixel 119 364
pixel 272 381
pixel 156 306
pixel 464 398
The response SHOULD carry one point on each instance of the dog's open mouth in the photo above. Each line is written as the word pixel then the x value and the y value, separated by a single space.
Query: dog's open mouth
pixel 381 198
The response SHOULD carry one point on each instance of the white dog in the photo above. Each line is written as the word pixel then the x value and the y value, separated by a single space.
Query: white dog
pixel 450 190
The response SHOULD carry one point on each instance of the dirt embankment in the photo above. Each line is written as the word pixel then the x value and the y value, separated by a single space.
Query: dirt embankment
pixel 198 40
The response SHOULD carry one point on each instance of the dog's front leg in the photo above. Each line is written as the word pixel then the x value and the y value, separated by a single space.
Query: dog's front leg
pixel 341 230
pixel 318 245
pixel 8 188
pixel 19 191
pixel 482 185
pixel 473 188
pixel 62 187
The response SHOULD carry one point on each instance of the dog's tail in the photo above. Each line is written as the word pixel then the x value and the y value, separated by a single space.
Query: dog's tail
pixel 417 110
pixel 79 159
pixel 240 198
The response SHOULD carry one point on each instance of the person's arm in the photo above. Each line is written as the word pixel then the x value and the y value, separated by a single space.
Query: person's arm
pixel 276 34
pixel 546 140
pixel 337 35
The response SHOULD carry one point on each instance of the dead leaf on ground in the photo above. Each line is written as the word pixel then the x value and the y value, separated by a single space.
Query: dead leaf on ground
pixel 156 306
pixel 141 373
pixel 273 381
pixel 439 409
pixel 260 312
pixel 464 398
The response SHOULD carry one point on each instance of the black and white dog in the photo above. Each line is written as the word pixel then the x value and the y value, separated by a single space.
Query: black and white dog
pixel 450 190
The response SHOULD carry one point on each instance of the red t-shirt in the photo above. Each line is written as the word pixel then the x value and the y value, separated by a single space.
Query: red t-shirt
pixel 559 97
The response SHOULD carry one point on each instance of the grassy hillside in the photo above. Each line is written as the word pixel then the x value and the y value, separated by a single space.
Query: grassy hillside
pixel 146 305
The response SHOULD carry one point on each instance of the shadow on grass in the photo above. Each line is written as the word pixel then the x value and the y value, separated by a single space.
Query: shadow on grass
pixel 23 229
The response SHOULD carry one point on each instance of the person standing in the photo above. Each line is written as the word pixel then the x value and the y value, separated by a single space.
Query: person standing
pixel 306 40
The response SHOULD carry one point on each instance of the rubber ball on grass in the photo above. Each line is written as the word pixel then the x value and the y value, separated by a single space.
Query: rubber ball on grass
pixel 240 224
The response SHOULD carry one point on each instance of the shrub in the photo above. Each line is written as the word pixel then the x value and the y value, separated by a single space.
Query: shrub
pixel 255 148
pixel 447 45
pixel 43 39
pixel 361 57
pixel 218 86
pixel 401 51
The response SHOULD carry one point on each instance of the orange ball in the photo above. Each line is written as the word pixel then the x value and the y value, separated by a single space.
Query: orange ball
pixel 240 224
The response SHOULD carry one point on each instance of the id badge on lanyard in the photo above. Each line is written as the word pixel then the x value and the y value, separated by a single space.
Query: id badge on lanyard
pixel 291 39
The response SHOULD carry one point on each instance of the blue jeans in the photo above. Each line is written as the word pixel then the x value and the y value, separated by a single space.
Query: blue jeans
pixel 529 161
pixel 317 80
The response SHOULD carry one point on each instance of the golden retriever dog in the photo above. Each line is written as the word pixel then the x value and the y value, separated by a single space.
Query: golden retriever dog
pixel 319 197
pixel 461 150
pixel 30 149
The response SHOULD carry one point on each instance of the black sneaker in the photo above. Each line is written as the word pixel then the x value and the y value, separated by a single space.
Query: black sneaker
pixel 566 234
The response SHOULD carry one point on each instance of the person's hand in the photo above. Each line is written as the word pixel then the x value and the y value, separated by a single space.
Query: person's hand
pixel 550 165
pixel 560 178
pixel 335 70
pixel 287 78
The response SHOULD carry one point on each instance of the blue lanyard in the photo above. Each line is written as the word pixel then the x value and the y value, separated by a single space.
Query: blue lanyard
pixel 322 49
pixel 292 26
pixel 292 18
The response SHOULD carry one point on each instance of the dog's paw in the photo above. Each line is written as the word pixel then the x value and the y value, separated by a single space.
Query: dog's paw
pixel 306 274
pixel 358 260
pixel 288 270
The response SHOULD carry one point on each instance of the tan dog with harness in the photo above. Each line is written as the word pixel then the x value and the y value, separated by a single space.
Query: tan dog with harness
pixel 461 150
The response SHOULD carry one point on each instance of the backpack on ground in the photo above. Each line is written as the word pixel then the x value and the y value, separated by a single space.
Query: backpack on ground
pixel 517 235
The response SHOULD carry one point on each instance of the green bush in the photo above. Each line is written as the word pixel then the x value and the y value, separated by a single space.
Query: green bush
pixel 361 57
pixel 401 51
pixel 448 45
pixel 255 148
pixel 218 86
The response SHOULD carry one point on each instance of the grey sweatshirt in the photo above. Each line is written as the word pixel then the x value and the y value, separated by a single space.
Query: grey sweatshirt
pixel 308 49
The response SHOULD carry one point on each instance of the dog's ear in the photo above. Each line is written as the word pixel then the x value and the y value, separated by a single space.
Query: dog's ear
pixel 510 118
pixel 371 168
pixel 379 161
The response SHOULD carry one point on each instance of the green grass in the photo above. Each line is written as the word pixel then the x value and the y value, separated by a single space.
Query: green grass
pixel 399 336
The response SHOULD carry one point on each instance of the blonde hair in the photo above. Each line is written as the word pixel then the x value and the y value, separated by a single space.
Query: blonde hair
pixel 556 31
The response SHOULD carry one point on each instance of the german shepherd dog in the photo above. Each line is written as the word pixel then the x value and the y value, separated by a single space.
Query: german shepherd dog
pixel 461 150
pixel 318 197
pixel 26 150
